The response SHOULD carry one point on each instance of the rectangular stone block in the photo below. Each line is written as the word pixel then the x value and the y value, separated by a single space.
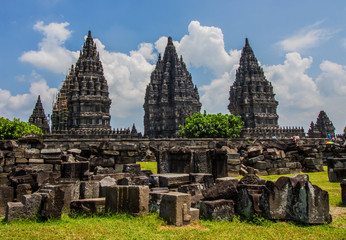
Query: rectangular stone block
pixel 32 153
pixel 78 170
pixel 36 160
pixel 124 160
pixel 21 160
pixel 253 160
pixel 217 210
pixel 233 162
pixel 173 179
pixel 6 195
pixel 87 206
pixel 89 189
pixel 206 178
pixel 283 171
pixel 130 199
pixel 175 208
pixel 38 167
pixel 261 165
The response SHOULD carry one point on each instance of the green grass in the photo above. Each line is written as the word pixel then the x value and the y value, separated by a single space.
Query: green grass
pixel 149 166
pixel 122 226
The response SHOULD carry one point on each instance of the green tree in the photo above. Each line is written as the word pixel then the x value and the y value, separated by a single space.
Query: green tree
pixel 211 126
pixel 16 128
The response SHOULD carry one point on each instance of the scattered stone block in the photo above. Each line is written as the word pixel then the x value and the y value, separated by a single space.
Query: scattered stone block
pixel 29 208
pixel 206 178
pixel 130 199
pixel 87 207
pixel 78 170
pixel 224 190
pixel 21 190
pixel 6 195
pixel 217 210
pixel 173 179
pixel 175 208
pixel 89 189
pixel 134 169
pixel 192 188
pixel 36 161
pixel 295 199
pixel 252 179
pixel 105 183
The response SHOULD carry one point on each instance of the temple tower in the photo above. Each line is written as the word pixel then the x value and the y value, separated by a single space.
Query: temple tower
pixel 322 128
pixel 251 95
pixel 83 102
pixel 38 117
pixel 170 96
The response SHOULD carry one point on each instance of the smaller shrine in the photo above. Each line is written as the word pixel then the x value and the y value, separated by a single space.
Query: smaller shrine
pixel 38 117
pixel 323 128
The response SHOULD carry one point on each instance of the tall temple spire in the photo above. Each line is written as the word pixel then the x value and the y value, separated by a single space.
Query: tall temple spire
pixel 170 96
pixel 83 102
pixel 38 117
pixel 323 128
pixel 251 94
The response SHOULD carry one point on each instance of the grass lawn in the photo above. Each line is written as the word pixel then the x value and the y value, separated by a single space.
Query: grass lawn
pixel 122 226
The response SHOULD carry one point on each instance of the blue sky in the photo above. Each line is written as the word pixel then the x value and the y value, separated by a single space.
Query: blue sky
pixel 301 45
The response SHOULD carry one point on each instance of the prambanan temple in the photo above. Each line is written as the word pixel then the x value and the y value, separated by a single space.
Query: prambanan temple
pixel 82 104
pixel 170 97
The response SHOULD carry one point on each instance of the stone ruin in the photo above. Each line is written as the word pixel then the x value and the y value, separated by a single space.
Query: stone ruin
pixel 323 128
pixel 170 96
pixel 38 117
pixel 44 182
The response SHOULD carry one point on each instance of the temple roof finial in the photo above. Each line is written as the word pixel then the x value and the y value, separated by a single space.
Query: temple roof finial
pixel 170 41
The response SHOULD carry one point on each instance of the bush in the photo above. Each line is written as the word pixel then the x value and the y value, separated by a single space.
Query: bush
pixel 16 128
pixel 211 126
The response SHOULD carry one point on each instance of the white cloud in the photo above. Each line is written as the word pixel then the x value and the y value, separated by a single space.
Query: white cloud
pixel 52 54
pixel 332 80
pixel 307 37
pixel 21 105
pixel 296 92
pixel 127 76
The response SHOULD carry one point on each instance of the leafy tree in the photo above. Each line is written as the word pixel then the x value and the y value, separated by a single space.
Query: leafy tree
pixel 211 126
pixel 16 128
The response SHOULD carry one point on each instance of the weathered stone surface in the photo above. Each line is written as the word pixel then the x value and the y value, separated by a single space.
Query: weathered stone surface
pixel 130 199
pixel 21 190
pixel 222 190
pixel 206 178
pixel 225 179
pixel 192 188
pixel 29 208
pixel 295 199
pixel 155 198
pixel 255 159
pixel 173 179
pixel 262 165
pixel 336 169
pixel 218 210
pixel 105 183
pixel 31 153
pixel 6 195
pixel 87 206
pixel 248 200
pixel 134 169
pixel 175 208
pixel 78 170
pixel 52 201
pixel 89 189
pixel 252 179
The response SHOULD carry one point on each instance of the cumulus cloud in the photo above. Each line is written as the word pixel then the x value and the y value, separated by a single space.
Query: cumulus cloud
pixel 52 54
pixel 297 93
pixel 21 105
pixel 307 37
pixel 332 80
pixel 127 77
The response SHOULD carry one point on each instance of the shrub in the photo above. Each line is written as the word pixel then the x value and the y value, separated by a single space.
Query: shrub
pixel 211 126
pixel 16 128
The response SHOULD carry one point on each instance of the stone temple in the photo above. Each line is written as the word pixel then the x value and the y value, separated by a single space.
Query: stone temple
pixel 170 97
pixel 83 102
pixel 38 117
pixel 322 128
pixel 251 95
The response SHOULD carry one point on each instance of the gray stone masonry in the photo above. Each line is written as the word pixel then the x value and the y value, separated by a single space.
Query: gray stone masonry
pixel 217 210
pixel 175 208
pixel 129 199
